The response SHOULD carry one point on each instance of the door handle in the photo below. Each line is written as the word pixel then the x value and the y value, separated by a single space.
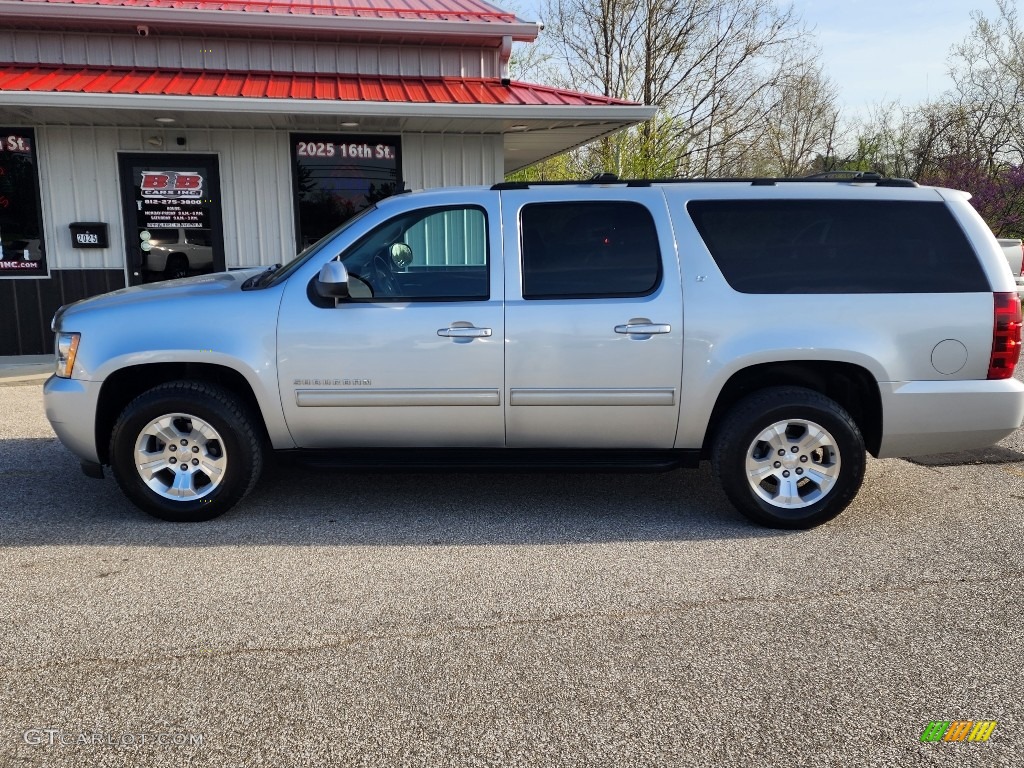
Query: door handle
pixel 646 329
pixel 464 333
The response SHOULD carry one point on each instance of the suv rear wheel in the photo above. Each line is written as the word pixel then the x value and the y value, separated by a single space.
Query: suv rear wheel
pixel 789 457
pixel 186 451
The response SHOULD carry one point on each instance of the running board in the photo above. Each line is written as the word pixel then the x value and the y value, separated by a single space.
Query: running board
pixel 492 460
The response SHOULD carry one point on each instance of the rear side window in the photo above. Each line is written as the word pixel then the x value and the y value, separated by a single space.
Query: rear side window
pixel 580 250
pixel 838 246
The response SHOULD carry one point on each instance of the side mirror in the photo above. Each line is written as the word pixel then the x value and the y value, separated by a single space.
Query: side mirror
pixel 332 282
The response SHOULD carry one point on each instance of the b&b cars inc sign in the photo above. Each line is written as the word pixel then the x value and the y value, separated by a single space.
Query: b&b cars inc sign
pixel 172 199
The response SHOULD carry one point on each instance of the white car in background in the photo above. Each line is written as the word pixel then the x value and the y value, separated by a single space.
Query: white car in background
pixel 1013 251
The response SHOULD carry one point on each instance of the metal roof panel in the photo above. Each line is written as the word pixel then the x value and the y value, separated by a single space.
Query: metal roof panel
pixel 436 10
pixel 285 85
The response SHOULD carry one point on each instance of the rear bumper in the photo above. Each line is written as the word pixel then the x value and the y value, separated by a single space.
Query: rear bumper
pixel 71 409
pixel 922 417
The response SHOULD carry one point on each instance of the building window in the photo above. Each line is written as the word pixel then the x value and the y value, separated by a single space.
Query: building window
pixel 21 228
pixel 336 177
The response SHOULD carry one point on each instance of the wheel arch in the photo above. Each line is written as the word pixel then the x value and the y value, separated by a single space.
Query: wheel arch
pixel 124 385
pixel 851 386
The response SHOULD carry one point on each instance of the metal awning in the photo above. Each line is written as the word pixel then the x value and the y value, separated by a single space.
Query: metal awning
pixel 536 121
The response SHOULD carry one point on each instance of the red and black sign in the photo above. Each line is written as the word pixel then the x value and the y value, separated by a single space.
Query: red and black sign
pixel 172 198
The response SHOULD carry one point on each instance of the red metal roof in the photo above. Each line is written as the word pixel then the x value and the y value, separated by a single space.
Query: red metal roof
pixel 443 10
pixel 278 85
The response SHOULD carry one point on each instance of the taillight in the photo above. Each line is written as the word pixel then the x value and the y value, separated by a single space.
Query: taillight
pixel 1005 336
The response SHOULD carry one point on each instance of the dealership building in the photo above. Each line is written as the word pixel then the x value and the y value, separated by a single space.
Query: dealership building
pixel 147 139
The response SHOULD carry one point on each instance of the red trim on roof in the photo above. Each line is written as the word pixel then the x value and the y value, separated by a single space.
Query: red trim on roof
pixel 282 85
pixel 445 10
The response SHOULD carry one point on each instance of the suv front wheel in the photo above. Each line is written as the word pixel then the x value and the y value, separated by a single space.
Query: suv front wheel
pixel 186 451
pixel 789 457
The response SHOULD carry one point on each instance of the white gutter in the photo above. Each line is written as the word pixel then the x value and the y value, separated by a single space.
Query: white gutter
pixel 590 113
pixel 234 21
pixel 505 56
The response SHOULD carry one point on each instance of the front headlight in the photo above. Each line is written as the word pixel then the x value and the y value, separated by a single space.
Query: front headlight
pixel 66 349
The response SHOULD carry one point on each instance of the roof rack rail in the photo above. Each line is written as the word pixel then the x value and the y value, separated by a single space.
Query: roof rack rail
pixel 869 176
pixel 852 177
pixel 840 175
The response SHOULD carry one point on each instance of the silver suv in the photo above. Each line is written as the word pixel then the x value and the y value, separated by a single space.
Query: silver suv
pixel 780 328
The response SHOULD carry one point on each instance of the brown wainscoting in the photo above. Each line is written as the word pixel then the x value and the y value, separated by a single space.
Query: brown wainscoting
pixel 27 306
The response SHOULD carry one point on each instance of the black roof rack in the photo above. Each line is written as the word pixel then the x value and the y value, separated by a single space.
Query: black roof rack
pixel 853 177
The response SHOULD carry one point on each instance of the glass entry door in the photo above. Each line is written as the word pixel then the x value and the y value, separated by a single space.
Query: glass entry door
pixel 172 215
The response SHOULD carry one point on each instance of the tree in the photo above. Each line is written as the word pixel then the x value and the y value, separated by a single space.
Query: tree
pixel 801 115
pixel 988 99
pixel 706 64
pixel 899 141
pixel 998 197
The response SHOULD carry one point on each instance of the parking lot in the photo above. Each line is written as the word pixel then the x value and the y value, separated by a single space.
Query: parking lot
pixel 507 620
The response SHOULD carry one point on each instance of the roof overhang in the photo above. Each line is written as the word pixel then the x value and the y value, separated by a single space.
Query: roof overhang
pixel 535 121
pixel 530 132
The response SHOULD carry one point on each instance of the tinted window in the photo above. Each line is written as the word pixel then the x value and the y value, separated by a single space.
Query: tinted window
pixel 588 249
pixel 335 177
pixel 838 246
pixel 436 254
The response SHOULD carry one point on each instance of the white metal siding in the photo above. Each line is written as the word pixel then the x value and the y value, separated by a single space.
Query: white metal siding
pixel 439 160
pixel 79 49
pixel 79 182
pixel 256 185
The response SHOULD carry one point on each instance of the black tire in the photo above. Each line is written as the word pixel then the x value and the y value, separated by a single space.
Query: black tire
pixel 799 478
pixel 223 462
pixel 176 266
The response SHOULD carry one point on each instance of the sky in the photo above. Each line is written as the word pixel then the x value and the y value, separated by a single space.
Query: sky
pixel 875 50
pixel 884 50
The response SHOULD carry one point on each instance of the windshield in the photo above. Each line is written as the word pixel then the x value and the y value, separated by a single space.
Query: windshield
pixel 284 272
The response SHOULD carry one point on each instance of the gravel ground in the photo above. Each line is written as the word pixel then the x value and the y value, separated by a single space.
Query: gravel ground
pixel 506 620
